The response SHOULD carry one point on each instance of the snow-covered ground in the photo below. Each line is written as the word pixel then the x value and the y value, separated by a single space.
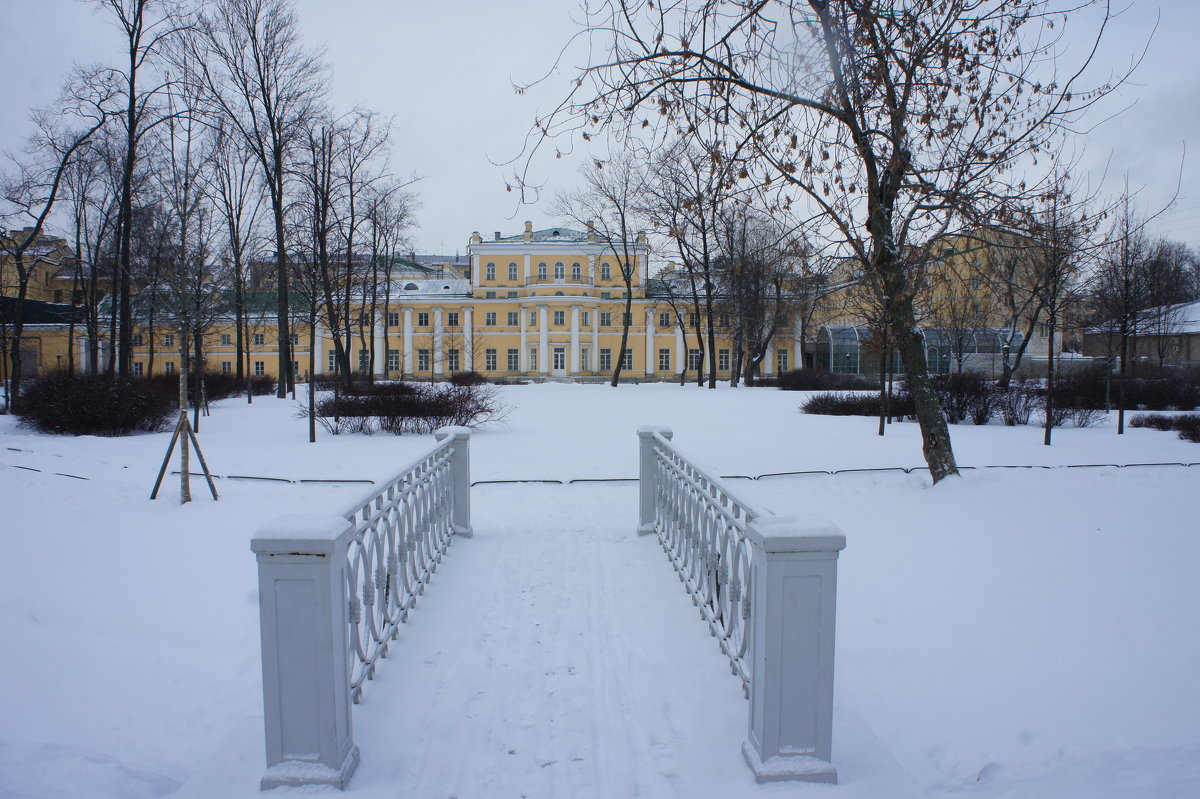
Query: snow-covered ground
pixel 1014 633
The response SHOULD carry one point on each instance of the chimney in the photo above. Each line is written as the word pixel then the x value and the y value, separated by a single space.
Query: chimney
pixel 528 230
pixel 475 237
pixel 497 236
pixel 641 237
pixel 591 231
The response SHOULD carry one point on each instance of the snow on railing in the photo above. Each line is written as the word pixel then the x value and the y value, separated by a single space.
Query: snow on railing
pixel 767 587
pixel 701 525
pixel 333 589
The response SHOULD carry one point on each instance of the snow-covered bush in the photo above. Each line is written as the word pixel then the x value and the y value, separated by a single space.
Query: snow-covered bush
pixel 405 408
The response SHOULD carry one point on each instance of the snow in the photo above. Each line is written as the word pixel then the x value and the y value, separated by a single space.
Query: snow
pixel 1013 633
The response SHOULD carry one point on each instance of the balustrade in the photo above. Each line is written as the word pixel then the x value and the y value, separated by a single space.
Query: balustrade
pixel 333 590
pixel 766 586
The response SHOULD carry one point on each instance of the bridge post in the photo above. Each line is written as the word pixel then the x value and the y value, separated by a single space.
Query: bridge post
pixel 647 468
pixel 303 607
pixel 794 593
pixel 460 477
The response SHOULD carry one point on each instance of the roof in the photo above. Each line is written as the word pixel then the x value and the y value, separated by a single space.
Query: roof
pixel 550 234
pixel 35 312
pixel 432 287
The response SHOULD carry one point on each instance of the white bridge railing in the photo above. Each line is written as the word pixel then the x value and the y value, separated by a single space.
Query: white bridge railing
pixel 333 590
pixel 766 585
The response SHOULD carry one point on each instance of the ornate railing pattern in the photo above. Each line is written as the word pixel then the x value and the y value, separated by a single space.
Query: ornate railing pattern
pixel 401 533
pixel 333 590
pixel 701 525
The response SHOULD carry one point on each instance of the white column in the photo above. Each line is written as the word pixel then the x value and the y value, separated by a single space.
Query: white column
pixel 303 618
pixel 319 343
pixel 768 365
pixel 437 341
pixel 543 340
pixel 380 352
pixel 797 344
pixel 792 617
pixel 651 364
pixel 528 261
pixel 595 333
pixel 680 352
pixel 469 336
pixel 409 364
pixel 592 269
pixel 575 309
pixel 523 353
pixel 475 271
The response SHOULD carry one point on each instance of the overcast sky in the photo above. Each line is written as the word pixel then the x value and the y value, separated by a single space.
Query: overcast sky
pixel 445 71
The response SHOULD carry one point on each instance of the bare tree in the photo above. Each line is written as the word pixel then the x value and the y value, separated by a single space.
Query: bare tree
pixel 609 203
pixel 895 120
pixel 269 88
pixel 31 193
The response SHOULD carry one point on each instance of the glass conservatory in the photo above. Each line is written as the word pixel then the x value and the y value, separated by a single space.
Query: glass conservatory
pixel 855 350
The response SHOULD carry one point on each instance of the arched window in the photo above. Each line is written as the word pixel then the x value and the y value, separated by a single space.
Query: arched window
pixel 491 271
pixel 541 271
pixel 512 271
pixel 576 272
pixel 605 272
pixel 560 271
pixel 628 270
pixel 410 286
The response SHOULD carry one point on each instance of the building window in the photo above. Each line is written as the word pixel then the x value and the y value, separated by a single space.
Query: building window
pixel 423 319
pixel 364 360
pixel 693 319
pixel 137 368
pixel 585 359
pixel 332 361
pixel 976 282
pixel 627 271
pixel 781 361
pixel 560 271
pixel 489 360
pixel 422 360
pixel 452 319
pixel 489 319
pixel 225 342
pixel 541 271
pixel 606 295
pixel 58 295
pixel 560 318
pixel 452 360
pixel 576 272
pixel 226 367
pixel 664 320
pixel 260 368
pixel 533 319
pixel 605 319
pixel 169 340
pixel 295 368
pixel 514 359
pixel 491 272
pixel 664 360
pixel 512 271
pixel 723 360
pixel 513 319
pixel 137 339
pixel 295 339
pixel 169 368
pixel 533 359
pixel 605 272
pixel 491 295
pixel 627 361
pixel 605 359
pixel 512 295
pixel 393 360
pixel 259 340
pixel 626 318
pixel 723 321
pixel 393 318
pixel 694 359
pixel 587 318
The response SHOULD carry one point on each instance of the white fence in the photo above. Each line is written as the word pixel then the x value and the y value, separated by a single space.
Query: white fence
pixel 766 586
pixel 333 589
